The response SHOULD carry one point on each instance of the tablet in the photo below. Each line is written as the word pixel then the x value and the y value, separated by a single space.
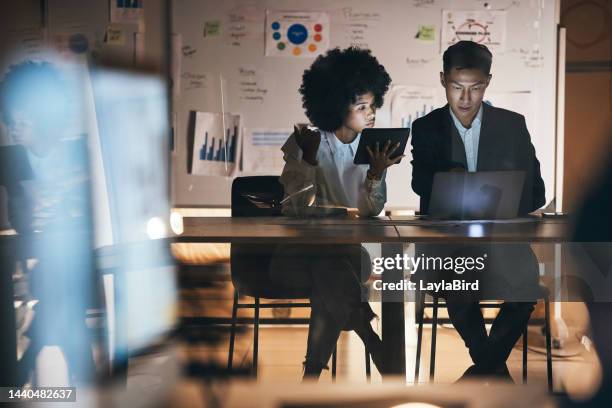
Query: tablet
pixel 371 136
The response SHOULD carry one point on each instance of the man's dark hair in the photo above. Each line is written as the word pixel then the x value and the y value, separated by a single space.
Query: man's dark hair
pixel 335 80
pixel 467 55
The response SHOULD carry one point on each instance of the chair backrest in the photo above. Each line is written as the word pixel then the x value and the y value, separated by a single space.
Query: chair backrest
pixel 268 187
pixel 251 262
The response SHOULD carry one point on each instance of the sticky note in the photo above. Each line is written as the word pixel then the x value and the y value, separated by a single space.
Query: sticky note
pixel 114 36
pixel 426 33
pixel 212 29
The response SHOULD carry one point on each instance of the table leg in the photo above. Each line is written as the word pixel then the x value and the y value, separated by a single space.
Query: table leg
pixel 393 325
pixel 559 328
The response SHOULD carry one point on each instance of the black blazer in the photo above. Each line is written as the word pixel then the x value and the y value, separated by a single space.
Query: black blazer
pixel 504 144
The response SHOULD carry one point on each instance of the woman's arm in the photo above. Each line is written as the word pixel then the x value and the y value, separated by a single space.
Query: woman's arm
pixel 373 196
pixel 297 174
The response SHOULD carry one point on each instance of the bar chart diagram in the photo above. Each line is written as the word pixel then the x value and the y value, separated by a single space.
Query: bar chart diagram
pixel 220 149
pixel 406 121
pixel 216 144
pixel 408 103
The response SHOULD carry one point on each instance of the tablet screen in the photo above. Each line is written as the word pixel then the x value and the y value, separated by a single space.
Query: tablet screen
pixel 371 136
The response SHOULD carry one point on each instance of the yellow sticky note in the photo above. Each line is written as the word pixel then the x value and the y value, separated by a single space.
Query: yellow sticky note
pixel 426 33
pixel 212 29
pixel 114 36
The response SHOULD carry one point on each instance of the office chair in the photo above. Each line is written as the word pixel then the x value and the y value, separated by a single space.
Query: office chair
pixel 250 264
pixel 421 305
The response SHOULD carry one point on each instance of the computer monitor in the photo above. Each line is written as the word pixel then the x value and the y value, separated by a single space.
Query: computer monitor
pixel 130 182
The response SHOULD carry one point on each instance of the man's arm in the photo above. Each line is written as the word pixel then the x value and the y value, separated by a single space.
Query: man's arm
pixel 536 198
pixel 427 160
pixel 423 158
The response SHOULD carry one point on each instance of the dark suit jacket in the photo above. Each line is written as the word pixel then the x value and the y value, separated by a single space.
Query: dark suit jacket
pixel 504 144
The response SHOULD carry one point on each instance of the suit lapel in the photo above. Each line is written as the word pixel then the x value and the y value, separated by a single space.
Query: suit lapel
pixel 455 146
pixel 485 140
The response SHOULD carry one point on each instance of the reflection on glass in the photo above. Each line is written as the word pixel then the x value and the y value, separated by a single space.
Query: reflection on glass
pixel 176 222
pixel 131 179
pixel 45 173
pixel 475 230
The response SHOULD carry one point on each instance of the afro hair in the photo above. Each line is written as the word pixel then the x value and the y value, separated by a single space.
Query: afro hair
pixel 335 80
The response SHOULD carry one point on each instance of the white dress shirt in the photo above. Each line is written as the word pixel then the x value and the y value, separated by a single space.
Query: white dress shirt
pixel 470 137
pixel 337 180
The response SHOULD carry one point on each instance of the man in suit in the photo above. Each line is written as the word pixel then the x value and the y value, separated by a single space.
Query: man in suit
pixel 469 135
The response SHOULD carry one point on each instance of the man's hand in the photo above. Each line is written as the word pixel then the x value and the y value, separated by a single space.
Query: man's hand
pixel 309 141
pixel 380 159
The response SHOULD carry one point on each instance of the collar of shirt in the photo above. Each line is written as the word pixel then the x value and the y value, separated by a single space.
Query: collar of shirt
pixel 475 123
pixel 470 138
pixel 335 145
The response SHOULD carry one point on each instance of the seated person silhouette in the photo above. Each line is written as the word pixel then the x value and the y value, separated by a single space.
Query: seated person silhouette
pixel 340 92
pixel 469 135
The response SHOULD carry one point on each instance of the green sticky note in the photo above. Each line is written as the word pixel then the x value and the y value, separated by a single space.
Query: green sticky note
pixel 212 28
pixel 426 33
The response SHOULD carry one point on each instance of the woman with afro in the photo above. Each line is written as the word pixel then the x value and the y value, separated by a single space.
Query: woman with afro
pixel 340 93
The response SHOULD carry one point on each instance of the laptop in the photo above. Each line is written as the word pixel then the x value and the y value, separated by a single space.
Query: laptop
pixel 478 195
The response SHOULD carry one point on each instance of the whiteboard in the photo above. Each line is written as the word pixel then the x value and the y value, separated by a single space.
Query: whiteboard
pixel 217 44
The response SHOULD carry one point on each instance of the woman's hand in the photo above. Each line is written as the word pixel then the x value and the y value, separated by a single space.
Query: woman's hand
pixel 380 159
pixel 309 141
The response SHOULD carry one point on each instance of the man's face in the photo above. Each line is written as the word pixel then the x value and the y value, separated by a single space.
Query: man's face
pixel 465 89
pixel 362 113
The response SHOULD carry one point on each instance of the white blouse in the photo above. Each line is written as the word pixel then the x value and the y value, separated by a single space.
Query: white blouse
pixel 337 180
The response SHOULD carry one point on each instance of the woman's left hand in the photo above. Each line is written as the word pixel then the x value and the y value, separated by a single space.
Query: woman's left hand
pixel 380 159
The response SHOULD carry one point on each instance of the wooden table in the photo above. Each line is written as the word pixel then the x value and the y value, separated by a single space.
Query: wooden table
pixel 528 229
pixel 391 232
pixel 243 230
pixel 378 229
